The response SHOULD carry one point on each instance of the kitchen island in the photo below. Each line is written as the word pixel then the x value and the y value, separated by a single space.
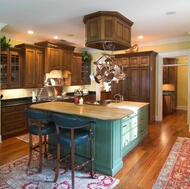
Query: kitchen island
pixel 119 128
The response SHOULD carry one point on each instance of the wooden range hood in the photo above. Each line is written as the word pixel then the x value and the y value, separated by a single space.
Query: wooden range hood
pixel 105 29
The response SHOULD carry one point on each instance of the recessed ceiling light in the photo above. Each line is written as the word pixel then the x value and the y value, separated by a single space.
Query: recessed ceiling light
pixel 55 37
pixel 30 32
pixel 140 37
pixel 170 13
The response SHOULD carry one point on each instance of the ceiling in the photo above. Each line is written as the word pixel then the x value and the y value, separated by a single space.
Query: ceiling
pixel 64 18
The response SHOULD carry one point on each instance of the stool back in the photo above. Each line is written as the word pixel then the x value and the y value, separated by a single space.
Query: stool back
pixel 37 115
pixel 69 122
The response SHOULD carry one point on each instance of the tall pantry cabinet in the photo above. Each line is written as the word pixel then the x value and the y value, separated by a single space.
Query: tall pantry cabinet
pixel 139 84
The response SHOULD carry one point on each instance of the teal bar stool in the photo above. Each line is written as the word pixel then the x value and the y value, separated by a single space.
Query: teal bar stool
pixel 40 124
pixel 73 132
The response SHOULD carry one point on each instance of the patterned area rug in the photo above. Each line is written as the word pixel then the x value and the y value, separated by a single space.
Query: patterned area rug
pixel 25 138
pixel 176 170
pixel 17 175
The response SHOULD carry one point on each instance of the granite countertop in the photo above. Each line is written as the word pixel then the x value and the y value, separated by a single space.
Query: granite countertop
pixel 113 111
pixel 16 101
pixel 28 100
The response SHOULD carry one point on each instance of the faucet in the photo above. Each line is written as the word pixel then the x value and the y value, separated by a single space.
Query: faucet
pixel 120 97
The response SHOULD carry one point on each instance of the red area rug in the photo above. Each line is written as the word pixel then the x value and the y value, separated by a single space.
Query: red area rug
pixel 175 173
pixel 16 175
pixel 25 138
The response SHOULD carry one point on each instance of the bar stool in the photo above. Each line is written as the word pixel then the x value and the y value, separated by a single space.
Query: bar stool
pixel 73 132
pixel 40 124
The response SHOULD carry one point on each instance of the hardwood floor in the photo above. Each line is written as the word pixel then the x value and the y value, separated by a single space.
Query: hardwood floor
pixel 142 165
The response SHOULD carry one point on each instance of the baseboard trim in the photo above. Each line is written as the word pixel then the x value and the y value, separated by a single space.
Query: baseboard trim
pixel 181 108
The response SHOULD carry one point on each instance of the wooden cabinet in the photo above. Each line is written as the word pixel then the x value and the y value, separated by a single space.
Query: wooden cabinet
pixel 106 95
pixel 14 121
pixel 52 59
pixel 89 97
pixel 105 26
pixel 58 56
pixel 76 69
pixel 11 69
pixel 67 58
pixel 85 73
pixel 170 72
pixel 33 66
pixel 139 84
pixel 169 103
pixel 80 70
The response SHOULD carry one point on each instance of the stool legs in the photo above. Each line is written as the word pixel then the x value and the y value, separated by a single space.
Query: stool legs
pixel 72 158
pixel 41 153
pixel 91 156
pixel 58 163
pixel 30 149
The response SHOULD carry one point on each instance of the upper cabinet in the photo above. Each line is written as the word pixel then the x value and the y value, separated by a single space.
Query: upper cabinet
pixel 67 58
pixel 33 66
pixel 169 72
pixel 139 84
pixel 11 64
pixel 80 70
pixel 85 72
pixel 58 56
pixel 52 59
pixel 76 69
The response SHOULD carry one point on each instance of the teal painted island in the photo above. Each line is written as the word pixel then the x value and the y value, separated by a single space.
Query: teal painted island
pixel 119 128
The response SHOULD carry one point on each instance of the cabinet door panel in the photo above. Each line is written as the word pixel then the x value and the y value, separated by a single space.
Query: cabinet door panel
pixel 134 83
pixel 134 61
pixel 53 59
pixel 144 61
pixel 67 59
pixel 30 68
pixel 76 70
pixel 39 71
pixel 10 69
pixel 144 85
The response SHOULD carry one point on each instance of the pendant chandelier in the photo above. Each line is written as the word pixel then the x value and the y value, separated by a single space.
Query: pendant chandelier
pixel 107 67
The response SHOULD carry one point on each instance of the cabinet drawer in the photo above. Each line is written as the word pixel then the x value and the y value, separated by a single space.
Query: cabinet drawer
pixel 126 139
pixel 143 110
pixel 14 129
pixel 133 134
pixel 12 117
pixel 13 108
pixel 126 126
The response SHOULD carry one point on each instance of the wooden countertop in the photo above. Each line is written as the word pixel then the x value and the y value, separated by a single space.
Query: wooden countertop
pixel 112 111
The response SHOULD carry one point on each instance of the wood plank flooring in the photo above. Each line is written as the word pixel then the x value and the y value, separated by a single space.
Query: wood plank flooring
pixel 142 165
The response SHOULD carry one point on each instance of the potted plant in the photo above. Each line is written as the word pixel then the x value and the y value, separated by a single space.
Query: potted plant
pixel 86 57
pixel 5 44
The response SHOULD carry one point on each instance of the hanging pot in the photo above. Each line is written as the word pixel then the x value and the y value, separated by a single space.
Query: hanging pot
pixel 98 78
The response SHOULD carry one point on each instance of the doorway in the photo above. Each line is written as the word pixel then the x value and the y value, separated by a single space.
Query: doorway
pixel 174 86
pixel 160 76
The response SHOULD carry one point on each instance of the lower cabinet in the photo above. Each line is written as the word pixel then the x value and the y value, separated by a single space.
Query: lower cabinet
pixel 14 121
pixel 169 104
pixel 134 129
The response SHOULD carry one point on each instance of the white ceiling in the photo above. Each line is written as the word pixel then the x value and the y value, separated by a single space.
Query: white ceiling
pixel 48 18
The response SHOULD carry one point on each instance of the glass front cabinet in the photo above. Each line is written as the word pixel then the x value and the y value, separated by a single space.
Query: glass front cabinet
pixel 10 69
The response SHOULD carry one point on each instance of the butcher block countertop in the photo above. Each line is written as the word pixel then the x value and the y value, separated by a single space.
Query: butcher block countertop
pixel 111 111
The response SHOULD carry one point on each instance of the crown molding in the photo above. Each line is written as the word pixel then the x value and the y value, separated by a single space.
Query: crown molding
pixel 166 41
